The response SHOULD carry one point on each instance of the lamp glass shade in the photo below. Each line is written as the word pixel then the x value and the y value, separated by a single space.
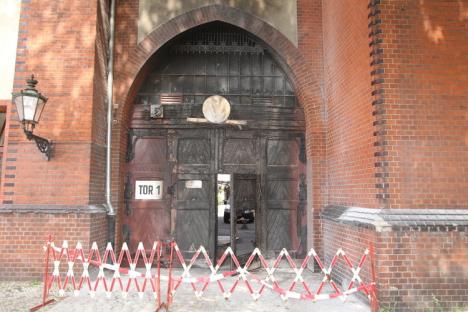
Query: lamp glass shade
pixel 18 100
pixel 39 108
pixel 29 107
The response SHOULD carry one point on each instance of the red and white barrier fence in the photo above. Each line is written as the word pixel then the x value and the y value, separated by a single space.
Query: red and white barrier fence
pixel 151 275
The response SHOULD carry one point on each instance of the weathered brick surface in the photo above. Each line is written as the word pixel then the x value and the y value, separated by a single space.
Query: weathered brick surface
pixel 418 268
pixel 406 150
pixel 62 44
pixel 99 123
pixel 347 82
pixel 354 241
pixel 57 41
pixel 426 65
pixel 413 269
pixel 23 235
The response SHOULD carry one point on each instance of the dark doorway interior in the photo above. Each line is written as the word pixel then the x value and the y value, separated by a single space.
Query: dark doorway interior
pixel 237 201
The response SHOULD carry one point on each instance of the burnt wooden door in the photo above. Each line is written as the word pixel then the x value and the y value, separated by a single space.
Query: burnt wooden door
pixel 193 205
pixel 284 167
pixel 217 58
pixel 147 220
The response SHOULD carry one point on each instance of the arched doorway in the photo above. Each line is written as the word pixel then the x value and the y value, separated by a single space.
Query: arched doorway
pixel 184 163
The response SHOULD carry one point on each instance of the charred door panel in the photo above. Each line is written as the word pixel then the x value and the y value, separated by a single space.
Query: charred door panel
pixel 194 151
pixel 193 191
pixel 279 229
pixel 147 219
pixel 238 152
pixel 194 199
pixel 283 168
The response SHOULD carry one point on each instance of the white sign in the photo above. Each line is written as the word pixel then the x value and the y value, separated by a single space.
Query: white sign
pixel 148 189
pixel 191 184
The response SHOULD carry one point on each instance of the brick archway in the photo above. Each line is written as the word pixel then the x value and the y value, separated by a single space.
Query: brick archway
pixel 306 86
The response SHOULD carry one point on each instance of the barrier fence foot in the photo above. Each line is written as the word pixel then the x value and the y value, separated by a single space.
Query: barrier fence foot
pixel 163 307
pixel 41 305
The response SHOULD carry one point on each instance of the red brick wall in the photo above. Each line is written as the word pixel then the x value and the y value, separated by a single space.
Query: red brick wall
pixel 413 268
pixel 353 241
pixel 417 268
pixel 426 78
pixel 99 123
pixel 62 43
pixel 56 43
pixel 63 180
pixel 347 82
pixel 22 236
pixel 126 35
pixel 310 45
pixel 5 106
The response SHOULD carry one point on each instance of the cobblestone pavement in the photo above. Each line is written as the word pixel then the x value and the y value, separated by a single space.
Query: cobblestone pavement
pixel 20 296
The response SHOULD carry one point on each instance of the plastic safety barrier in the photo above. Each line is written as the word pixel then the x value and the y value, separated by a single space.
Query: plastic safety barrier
pixel 152 276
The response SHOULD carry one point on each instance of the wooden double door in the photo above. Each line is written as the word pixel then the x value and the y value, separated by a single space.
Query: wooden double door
pixel 187 162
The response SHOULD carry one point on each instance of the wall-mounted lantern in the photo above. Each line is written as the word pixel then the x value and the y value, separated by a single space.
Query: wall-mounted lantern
pixel 29 105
